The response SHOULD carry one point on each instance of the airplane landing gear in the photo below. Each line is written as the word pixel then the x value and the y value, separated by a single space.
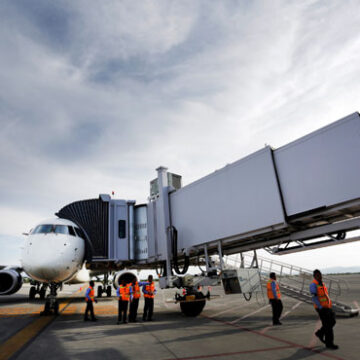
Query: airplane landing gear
pixel 37 288
pixel 51 303
pixel 42 292
pixel 192 301
pixel 32 293
pixel 105 288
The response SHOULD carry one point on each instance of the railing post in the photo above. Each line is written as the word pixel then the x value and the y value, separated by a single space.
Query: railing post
pixel 280 275
pixel 303 282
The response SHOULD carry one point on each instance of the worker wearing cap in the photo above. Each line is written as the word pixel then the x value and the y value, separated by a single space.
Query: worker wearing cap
pixel 90 299
pixel 274 296
pixel 134 304
pixel 149 295
pixel 323 306
pixel 124 293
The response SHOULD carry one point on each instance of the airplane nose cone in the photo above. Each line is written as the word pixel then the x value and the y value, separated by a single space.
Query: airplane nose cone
pixel 52 258
pixel 48 271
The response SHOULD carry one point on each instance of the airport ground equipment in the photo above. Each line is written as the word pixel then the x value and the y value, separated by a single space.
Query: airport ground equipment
pixel 294 281
pixel 300 196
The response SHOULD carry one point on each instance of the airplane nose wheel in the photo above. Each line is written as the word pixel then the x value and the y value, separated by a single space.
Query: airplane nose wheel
pixel 51 302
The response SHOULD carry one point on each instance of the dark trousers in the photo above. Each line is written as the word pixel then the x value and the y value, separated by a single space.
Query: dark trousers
pixel 89 307
pixel 327 317
pixel 122 310
pixel 277 308
pixel 148 308
pixel 134 305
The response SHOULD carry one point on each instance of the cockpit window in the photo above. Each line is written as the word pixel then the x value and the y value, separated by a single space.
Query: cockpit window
pixel 57 229
pixel 61 229
pixel 43 229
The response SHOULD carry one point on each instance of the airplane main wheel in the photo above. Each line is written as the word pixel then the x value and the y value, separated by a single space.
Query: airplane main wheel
pixel 32 293
pixel 42 293
pixel 100 291
pixel 193 307
pixel 108 291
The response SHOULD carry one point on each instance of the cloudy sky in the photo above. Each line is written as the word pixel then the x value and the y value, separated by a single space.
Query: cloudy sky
pixel 94 96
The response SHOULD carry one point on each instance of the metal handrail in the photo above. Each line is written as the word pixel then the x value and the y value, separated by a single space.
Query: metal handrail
pixel 299 278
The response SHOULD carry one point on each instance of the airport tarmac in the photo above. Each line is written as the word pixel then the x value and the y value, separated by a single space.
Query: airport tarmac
pixel 228 328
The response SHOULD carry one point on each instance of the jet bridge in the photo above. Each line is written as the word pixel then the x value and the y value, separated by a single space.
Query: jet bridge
pixel 303 195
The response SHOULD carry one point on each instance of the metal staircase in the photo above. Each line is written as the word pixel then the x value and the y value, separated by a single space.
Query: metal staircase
pixel 294 281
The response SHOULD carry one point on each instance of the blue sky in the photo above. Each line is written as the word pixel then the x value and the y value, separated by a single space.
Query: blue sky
pixel 94 96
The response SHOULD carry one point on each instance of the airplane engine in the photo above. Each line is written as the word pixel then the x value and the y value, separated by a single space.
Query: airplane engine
pixel 10 281
pixel 126 275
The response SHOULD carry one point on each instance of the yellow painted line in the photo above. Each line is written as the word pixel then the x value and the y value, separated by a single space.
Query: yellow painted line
pixel 10 347
pixel 21 338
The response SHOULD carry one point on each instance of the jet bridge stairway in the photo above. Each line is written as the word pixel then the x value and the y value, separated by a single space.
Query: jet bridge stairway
pixel 294 281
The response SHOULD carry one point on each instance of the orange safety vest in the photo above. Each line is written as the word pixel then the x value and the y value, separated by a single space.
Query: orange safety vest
pixel 270 293
pixel 136 289
pixel 125 292
pixel 150 288
pixel 91 294
pixel 322 294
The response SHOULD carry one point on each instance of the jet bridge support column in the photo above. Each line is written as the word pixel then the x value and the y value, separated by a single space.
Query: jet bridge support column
pixel 165 215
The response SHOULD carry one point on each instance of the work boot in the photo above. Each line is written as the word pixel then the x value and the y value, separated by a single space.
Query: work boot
pixel 332 347
pixel 320 335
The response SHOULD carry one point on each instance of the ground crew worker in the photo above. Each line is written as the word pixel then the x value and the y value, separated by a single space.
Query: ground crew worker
pixel 90 299
pixel 123 293
pixel 149 294
pixel 134 304
pixel 274 295
pixel 322 303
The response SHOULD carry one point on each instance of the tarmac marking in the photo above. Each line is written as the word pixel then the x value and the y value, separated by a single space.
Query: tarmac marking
pixel 290 343
pixel 263 331
pixel 15 343
pixel 14 311
pixel 227 310
pixel 246 316
pixel 24 336
pixel 314 339
pixel 233 353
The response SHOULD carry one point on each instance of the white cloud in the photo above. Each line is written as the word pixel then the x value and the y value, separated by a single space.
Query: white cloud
pixel 94 98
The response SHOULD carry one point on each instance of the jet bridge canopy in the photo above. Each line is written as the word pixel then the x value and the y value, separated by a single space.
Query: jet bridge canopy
pixel 303 190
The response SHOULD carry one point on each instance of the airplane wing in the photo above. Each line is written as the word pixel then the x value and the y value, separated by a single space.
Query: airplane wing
pixel 17 268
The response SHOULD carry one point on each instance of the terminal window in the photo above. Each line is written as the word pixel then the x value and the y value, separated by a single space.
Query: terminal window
pixel 122 229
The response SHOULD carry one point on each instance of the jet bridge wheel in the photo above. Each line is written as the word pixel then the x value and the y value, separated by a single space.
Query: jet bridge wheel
pixel 192 303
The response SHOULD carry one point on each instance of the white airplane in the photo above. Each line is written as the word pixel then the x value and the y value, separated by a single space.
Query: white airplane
pixel 53 254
